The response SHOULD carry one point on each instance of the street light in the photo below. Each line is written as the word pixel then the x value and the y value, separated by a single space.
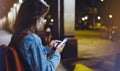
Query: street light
pixel 0 23
pixel 20 1
pixel 52 20
pixel 86 17
pixel 83 19
pixel 110 16
pixel 98 17
pixel 101 0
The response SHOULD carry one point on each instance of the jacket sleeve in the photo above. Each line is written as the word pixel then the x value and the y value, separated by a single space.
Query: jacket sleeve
pixel 35 54
pixel 53 61
pixel 46 50
pixel 30 54
pixel 40 60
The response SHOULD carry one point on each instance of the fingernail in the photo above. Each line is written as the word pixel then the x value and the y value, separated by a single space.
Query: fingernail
pixel 59 41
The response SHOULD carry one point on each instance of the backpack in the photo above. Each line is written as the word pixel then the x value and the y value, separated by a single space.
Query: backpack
pixel 10 60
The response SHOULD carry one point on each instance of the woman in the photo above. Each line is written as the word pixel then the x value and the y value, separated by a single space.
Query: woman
pixel 29 46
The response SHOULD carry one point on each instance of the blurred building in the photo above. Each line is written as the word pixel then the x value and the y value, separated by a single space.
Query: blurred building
pixel 98 11
pixel 5 6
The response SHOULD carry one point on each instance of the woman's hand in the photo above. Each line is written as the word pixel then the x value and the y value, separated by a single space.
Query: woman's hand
pixel 53 43
pixel 60 49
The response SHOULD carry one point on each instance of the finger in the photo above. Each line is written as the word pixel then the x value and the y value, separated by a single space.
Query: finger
pixel 62 46
pixel 57 41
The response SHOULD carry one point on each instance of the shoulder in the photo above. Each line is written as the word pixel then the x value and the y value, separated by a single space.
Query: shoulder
pixel 32 38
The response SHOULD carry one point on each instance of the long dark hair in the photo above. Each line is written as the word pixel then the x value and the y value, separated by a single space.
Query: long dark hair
pixel 28 12
pixel 26 18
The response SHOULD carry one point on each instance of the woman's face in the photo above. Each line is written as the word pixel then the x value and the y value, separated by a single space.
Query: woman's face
pixel 40 21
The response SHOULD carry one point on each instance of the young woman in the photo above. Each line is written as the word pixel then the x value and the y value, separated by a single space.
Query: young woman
pixel 28 45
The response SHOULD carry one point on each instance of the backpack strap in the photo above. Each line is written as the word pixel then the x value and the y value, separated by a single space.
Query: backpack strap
pixel 24 63
pixel 11 60
pixel 3 59
pixel 15 42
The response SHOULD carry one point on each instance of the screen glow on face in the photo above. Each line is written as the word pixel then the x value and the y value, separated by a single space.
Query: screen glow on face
pixel 40 22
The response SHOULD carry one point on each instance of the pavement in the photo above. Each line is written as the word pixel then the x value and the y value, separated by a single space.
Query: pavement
pixel 95 52
pixel 4 37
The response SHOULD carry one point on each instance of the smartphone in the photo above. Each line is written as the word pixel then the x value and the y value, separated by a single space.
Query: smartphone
pixel 57 46
pixel 61 43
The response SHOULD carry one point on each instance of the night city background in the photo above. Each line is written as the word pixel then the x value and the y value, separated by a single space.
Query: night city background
pixel 96 29
pixel 105 12
pixel 96 11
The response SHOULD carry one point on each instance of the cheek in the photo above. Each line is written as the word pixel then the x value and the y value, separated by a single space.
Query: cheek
pixel 38 24
pixel 38 21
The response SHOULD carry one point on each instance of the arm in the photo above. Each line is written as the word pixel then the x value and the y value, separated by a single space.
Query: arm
pixel 34 53
pixel 29 51
pixel 53 61
pixel 41 62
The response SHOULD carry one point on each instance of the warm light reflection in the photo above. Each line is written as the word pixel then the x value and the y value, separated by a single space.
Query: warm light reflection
pixel 20 1
pixel 83 19
pixel 102 0
pixel 98 17
pixel 0 23
pixel 86 17
pixel 52 20
pixel 110 16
